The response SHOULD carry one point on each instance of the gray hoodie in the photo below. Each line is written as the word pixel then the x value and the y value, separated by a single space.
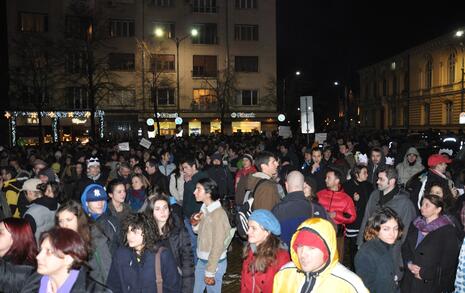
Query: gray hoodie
pixel 406 171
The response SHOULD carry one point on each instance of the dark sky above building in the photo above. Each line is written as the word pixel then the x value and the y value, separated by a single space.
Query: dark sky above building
pixel 330 40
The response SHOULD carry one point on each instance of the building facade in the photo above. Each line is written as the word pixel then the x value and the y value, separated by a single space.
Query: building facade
pixel 223 77
pixel 418 89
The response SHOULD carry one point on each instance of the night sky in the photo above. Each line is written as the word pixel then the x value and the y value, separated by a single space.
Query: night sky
pixel 330 40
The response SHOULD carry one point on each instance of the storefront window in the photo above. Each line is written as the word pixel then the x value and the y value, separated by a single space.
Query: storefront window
pixel 166 128
pixel 246 126
pixel 195 127
pixel 215 127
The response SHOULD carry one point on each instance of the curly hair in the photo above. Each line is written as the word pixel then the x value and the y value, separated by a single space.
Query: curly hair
pixel 380 217
pixel 169 225
pixel 265 254
pixel 146 224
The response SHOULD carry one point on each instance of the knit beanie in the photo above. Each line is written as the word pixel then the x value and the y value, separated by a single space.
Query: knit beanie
pixel 307 238
pixel 267 220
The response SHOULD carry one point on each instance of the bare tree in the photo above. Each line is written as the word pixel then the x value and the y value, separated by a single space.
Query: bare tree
pixel 156 78
pixel 86 49
pixel 34 73
pixel 225 89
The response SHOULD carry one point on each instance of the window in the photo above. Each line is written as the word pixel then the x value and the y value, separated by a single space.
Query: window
pixel 406 82
pixel 384 87
pixel 405 116
pixel 163 3
pixel 33 22
pixel 168 29
pixel 246 4
pixel 121 61
pixel 204 99
pixel 429 73
pixel 246 32
pixel 426 114
pixel 394 85
pixel 451 68
pixel 393 115
pixel 249 97
pixel 448 111
pixel 204 66
pixel 246 63
pixel 164 62
pixel 122 97
pixel 204 6
pixel 75 63
pixel 375 89
pixel 122 28
pixel 165 96
pixel 207 34
pixel 78 27
pixel 77 98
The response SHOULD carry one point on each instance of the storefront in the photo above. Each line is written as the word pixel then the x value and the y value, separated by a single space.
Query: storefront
pixel 245 122
pixel 195 127
pixel 215 126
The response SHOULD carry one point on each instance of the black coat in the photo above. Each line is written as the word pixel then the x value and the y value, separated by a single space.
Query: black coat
pixel 364 189
pixel 179 243
pixel 375 265
pixel 437 256
pixel 12 277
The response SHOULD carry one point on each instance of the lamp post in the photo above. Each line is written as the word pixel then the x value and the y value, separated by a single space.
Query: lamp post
pixel 343 108
pixel 459 34
pixel 193 33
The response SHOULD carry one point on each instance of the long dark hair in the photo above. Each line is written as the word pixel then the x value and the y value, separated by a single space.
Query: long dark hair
pixel 169 225
pixel 380 217
pixel 82 220
pixel 265 255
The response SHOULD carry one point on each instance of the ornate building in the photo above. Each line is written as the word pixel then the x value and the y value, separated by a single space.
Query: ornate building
pixel 418 89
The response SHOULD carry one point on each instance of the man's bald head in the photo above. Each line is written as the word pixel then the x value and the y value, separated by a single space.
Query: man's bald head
pixel 294 181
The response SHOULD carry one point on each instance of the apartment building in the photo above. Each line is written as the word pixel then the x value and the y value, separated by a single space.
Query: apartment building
pixel 161 68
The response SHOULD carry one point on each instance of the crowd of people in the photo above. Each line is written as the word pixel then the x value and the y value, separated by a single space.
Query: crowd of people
pixel 350 214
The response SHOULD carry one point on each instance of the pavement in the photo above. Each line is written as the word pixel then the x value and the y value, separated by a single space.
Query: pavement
pixel 232 278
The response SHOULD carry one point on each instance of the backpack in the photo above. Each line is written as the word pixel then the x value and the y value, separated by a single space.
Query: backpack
pixel 244 210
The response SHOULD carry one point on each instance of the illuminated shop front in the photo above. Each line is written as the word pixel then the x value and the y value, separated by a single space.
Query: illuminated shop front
pixel 245 122
pixel 195 127
pixel 57 126
pixel 215 126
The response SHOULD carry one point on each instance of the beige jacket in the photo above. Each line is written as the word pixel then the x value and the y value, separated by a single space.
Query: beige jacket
pixel 212 230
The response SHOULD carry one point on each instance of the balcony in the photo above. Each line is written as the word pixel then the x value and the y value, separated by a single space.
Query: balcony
pixel 205 107
pixel 200 73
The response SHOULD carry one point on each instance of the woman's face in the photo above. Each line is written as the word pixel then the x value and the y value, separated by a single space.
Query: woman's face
pixel 135 238
pixel 327 154
pixel 161 211
pixel 78 169
pixel 200 194
pixel 363 176
pixel 49 191
pixel 389 231
pixel 6 240
pixel 119 193
pixel 49 262
pixel 67 219
pixel 256 234
pixel 136 183
pixel 138 170
pixel 307 190
pixel 436 190
pixel 428 209
pixel 247 163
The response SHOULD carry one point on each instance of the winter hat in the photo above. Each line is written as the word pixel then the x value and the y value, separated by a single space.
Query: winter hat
pixel 267 220
pixel 437 159
pixel 216 156
pixel 48 172
pixel 56 167
pixel 94 192
pixel 93 161
pixel 31 184
pixel 248 157
pixel 307 238
pixel 39 162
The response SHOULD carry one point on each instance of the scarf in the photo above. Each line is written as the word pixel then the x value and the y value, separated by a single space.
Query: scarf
pixel 138 194
pixel 385 198
pixel 422 226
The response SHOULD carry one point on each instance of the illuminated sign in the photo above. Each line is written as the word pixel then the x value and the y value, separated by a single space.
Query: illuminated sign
pixel 167 115
pixel 243 115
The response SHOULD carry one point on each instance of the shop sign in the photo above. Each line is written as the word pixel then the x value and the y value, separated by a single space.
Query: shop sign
pixel 281 117
pixel 165 115
pixel 243 115
pixel 178 120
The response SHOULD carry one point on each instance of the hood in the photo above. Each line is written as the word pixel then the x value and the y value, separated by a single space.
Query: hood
pixel 325 231
pixel 414 151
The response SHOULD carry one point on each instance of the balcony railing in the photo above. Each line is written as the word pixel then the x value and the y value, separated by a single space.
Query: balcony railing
pixel 204 73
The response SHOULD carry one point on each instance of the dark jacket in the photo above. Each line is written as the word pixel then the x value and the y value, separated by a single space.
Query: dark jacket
pixel 100 254
pixel 179 243
pixel 418 181
pixel 319 175
pixel 223 177
pixel 189 204
pixel 293 210
pixel 160 180
pixel 436 255
pixel 84 182
pixel 110 227
pixel 129 275
pixel 12 277
pixel 374 264
pixel 363 189
pixel 373 170
pixel 83 284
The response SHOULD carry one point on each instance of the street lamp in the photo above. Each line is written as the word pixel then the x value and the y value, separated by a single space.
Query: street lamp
pixel 159 32
pixel 459 34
